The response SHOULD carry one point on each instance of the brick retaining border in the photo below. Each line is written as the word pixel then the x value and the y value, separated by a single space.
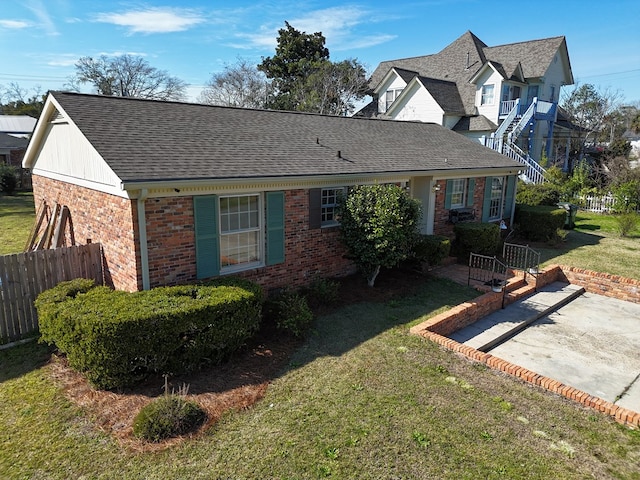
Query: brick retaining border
pixel 437 328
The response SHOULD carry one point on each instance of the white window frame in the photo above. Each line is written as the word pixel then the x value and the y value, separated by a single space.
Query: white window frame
pixel 487 94
pixel 227 233
pixel 496 202
pixel 328 203
pixel 459 190
pixel 394 93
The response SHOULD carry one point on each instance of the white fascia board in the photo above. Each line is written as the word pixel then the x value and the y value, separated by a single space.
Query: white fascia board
pixel 386 80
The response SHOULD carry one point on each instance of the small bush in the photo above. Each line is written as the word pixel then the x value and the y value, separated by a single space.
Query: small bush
pixel 8 179
pixel 168 416
pixel 323 291
pixel 482 238
pixel 290 312
pixel 539 223
pixel 627 223
pixel 431 249
pixel 538 194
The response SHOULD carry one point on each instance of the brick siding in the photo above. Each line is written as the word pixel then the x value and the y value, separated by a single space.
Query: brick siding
pixel 309 253
pixel 441 219
pixel 100 218
pixel 112 221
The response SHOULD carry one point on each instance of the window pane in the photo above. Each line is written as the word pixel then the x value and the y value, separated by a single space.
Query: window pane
pixel 239 230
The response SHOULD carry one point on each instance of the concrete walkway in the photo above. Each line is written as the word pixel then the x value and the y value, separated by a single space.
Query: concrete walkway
pixel 584 340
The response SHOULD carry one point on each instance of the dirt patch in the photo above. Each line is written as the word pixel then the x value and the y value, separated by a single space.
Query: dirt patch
pixel 235 385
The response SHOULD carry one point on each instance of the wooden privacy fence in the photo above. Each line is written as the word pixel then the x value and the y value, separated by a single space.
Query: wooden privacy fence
pixel 25 275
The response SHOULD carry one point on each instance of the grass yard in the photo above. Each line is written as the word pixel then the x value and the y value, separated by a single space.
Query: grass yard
pixel 595 245
pixel 17 216
pixel 359 398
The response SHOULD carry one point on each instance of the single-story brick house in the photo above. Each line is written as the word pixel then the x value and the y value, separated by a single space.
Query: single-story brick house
pixel 177 192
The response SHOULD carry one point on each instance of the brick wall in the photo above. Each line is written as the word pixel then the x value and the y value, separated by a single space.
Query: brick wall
pixel 309 253
pixel 441 219
pixel 102 218
pixel 112 221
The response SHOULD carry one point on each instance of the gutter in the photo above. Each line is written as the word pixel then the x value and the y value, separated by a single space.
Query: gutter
pixel 142 231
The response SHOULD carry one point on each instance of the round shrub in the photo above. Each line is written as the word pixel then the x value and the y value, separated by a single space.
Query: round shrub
pixel 539 223
pixel 323 291
pixel 431 249
pixel 8 179
pixel 290 312
pixel 481 238
pixel 166 417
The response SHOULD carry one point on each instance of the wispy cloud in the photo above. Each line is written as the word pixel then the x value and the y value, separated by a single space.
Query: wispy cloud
pixel 339 25
pixel 153 20
pixel 13 24
pixel 44 19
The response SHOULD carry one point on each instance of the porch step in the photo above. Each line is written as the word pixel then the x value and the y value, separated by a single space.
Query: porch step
pixel 496 328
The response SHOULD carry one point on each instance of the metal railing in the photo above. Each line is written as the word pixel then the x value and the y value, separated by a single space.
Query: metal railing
pixel 521 257
pixel 488 270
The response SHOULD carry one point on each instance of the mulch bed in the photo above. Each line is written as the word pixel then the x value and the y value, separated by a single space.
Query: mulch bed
pixel 234 385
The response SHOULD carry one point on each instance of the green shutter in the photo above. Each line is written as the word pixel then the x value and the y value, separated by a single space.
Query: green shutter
pixel 205 212
pixel 471 187
pixel 486 201
pixel 447 194
pixel 275 228
pixel 315 208
pixel 508 200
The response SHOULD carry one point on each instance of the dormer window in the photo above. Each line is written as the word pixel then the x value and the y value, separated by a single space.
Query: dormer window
pixel 487 95
pixel 390 97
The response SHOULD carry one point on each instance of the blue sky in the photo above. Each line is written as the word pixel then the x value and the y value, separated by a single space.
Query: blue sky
pixel 40 40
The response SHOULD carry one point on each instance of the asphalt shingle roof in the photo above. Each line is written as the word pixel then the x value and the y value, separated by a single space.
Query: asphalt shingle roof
pixel 146 140
pixel 459 61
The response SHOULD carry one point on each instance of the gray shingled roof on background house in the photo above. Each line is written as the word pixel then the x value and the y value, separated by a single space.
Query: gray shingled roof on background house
pixel 459 61
pixel 145 140
pixel 11 142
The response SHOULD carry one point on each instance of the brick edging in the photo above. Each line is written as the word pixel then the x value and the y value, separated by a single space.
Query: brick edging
pixel 436 329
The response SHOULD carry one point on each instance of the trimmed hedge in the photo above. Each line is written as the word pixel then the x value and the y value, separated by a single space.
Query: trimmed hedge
pixel 539 223
pixel 431 249
pixel 482 238
pixel 117 338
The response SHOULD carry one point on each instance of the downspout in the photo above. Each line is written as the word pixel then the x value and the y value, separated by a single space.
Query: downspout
pixel 142 230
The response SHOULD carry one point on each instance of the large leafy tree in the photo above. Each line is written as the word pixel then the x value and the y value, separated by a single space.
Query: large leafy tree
pixel 304 79
pixel 378 224
pixel 239 85
pixel 128 76
pixel 590 109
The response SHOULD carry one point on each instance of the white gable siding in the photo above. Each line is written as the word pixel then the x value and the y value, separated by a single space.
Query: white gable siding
pixel 393 83
pixel 418 104
pixel 553 77
pixel 491 111
pixel 66 152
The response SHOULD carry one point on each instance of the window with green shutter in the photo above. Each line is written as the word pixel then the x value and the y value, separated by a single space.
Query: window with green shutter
pixel 205 211
pixel 275 228
pixel 235 232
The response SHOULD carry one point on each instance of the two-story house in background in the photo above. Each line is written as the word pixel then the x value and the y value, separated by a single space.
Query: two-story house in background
pixel 505 97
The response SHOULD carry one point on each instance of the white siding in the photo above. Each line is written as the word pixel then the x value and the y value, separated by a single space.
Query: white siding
pixel 395 83
pixel 65 151
pixel 489 77
pixel 418 105
pixel 477 136
pixel 553 77
pixel 450 121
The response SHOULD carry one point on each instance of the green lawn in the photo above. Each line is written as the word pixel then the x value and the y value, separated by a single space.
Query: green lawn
pixel 361 398
pixel 595 245
pixel 17 216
